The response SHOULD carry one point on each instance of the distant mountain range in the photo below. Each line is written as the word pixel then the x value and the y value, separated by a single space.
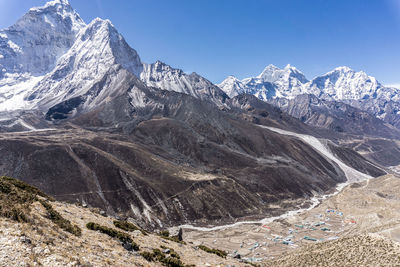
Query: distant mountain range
pixel 341 84
pixel 46 54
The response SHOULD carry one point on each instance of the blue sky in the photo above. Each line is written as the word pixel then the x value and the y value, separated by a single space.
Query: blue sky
pixel 217 38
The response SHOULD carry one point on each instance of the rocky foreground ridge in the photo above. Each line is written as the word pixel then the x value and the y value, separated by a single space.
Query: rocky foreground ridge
pixel 38 231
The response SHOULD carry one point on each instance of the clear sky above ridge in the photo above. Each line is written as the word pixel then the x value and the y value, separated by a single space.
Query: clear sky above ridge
pixel 217 38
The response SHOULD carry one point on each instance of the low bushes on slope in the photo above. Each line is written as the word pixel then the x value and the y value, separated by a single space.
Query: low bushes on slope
pixel 215 251
pixel 168 259
pixel 127 226
pixel 61 222
pixel 16 198
pixel 171 252
pixel 165 234
pixel 126 240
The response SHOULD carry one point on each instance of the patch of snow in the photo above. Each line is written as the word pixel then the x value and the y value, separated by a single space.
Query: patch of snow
pixel 26 125
pixel 137 98
pixel 48 20
pixel 12 92
pixel 383 115
pixel 13 46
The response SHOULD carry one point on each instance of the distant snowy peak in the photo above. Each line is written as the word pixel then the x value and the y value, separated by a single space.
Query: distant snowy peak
pixel 35 42
pixel 232 86
pixel 345 83
pixel 271 83
pixel 273 74
pixel 342 83
pixel 288 81
pixel 62 13
pixel 165 77
pixel 268 72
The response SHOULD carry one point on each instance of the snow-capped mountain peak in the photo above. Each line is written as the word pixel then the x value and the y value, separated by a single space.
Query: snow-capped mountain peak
pixel 232 78
pixel 53 3
pixel 288 66
pixel 272 82
pixel 69 57
pixel 102 34
pixel 342 69
pixel 31 47
pixel 165 77
pixel 232 86
pixel 50 55
pixel 98 49
pixel 35 42
pixel 344 83
pixel 294 71
pixel 268 72
pixel 272 73
pixel 56 13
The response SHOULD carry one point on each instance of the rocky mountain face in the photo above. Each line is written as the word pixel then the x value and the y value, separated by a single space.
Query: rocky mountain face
pixel 148 141
pixel 162 76
pixel 343 84
pixel 386 110
pixel 335 115
pixel 374 138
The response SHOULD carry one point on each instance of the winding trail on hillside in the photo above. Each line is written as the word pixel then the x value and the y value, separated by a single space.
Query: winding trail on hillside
pixel 352 176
